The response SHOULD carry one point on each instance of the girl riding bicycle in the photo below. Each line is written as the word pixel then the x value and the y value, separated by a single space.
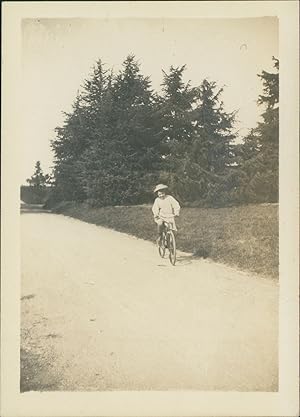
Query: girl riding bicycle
pixel 164 209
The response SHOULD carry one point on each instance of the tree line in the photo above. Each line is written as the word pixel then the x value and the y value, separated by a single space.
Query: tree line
pixel 121 138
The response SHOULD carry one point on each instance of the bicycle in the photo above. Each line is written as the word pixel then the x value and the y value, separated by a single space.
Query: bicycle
pixel 167 241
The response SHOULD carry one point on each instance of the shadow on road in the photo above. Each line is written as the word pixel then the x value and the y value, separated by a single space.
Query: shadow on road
pixel 36 373
pixel 33 208
pixel 183 260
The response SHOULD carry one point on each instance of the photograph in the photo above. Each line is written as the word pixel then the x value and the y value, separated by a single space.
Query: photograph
pixel 149 188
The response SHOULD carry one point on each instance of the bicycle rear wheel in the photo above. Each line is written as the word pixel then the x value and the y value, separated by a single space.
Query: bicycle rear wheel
pixel 172 248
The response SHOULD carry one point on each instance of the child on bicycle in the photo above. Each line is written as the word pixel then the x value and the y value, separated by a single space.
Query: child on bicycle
pixel 165 208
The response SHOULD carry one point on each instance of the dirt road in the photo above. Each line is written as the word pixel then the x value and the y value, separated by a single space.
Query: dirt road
pixel 102 311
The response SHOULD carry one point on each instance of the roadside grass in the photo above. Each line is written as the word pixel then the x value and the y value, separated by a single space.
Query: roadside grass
pixel 245 237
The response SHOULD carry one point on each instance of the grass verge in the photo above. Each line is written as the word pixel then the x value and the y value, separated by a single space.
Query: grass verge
pixel 245 237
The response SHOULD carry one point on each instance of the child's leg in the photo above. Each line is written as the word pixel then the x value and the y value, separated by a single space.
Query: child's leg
pixel 160 228
pixel 174 228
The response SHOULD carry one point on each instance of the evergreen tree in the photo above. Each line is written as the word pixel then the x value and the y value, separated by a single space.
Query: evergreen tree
pixel 38 180
pixel 120 138
pixel 211 153
pixel 125 163
pixel 70 142
pixel 197 133
pixel 97 97
pixel 39 185
pixel 177 101
pixel 175 117
pixel 260 151
pixel 108 147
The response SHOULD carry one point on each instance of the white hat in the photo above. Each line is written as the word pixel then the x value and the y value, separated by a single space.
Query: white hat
pixel 160 187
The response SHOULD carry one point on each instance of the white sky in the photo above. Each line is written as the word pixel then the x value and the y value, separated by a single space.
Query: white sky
pixel 58 54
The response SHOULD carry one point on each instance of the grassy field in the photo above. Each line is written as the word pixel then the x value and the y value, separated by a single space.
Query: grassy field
pixel 245 237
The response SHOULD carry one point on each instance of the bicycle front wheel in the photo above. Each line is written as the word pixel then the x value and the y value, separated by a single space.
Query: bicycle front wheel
pixel 172 248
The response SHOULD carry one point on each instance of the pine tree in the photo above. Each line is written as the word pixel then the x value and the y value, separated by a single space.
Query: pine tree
pixel 211 153
pixel 39 186
pixel 130 151
pixel 108 147
pixel 198 135
pixel 177 102
pixel 97 96
pixel 175 116
pixel 70 142
pixel 38 180
pixel 260 151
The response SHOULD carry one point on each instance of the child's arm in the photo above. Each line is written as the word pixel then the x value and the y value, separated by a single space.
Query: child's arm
pixel 175 206
pixel 155 209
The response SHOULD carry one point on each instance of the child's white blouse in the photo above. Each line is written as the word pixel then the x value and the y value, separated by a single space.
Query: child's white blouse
pixel 166 208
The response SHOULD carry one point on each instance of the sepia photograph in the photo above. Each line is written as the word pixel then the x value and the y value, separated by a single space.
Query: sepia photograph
pixel 149 202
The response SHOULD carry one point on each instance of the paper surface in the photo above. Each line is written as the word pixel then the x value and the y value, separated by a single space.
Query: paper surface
pixel 187 403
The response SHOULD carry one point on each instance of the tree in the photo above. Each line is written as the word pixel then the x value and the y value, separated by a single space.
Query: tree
pixel 38 180
pixel 108 146
pixel 176 107
pixel 119 164
pixel 38 188
pixel 260 150
pixel 97 98
pixel 135 144
pixel 197 133
pixel 120 138
pixel 70 142
pixel 175 116
pixel 211 152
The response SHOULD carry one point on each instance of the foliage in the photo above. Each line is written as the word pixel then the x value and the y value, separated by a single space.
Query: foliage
pixel 259 155
pixel 31 195
pixel 211 153
pixel 38 189
pixel 38 179
pixel 197 133
pixel 70 142
pixel 107 155
pixel 121 138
